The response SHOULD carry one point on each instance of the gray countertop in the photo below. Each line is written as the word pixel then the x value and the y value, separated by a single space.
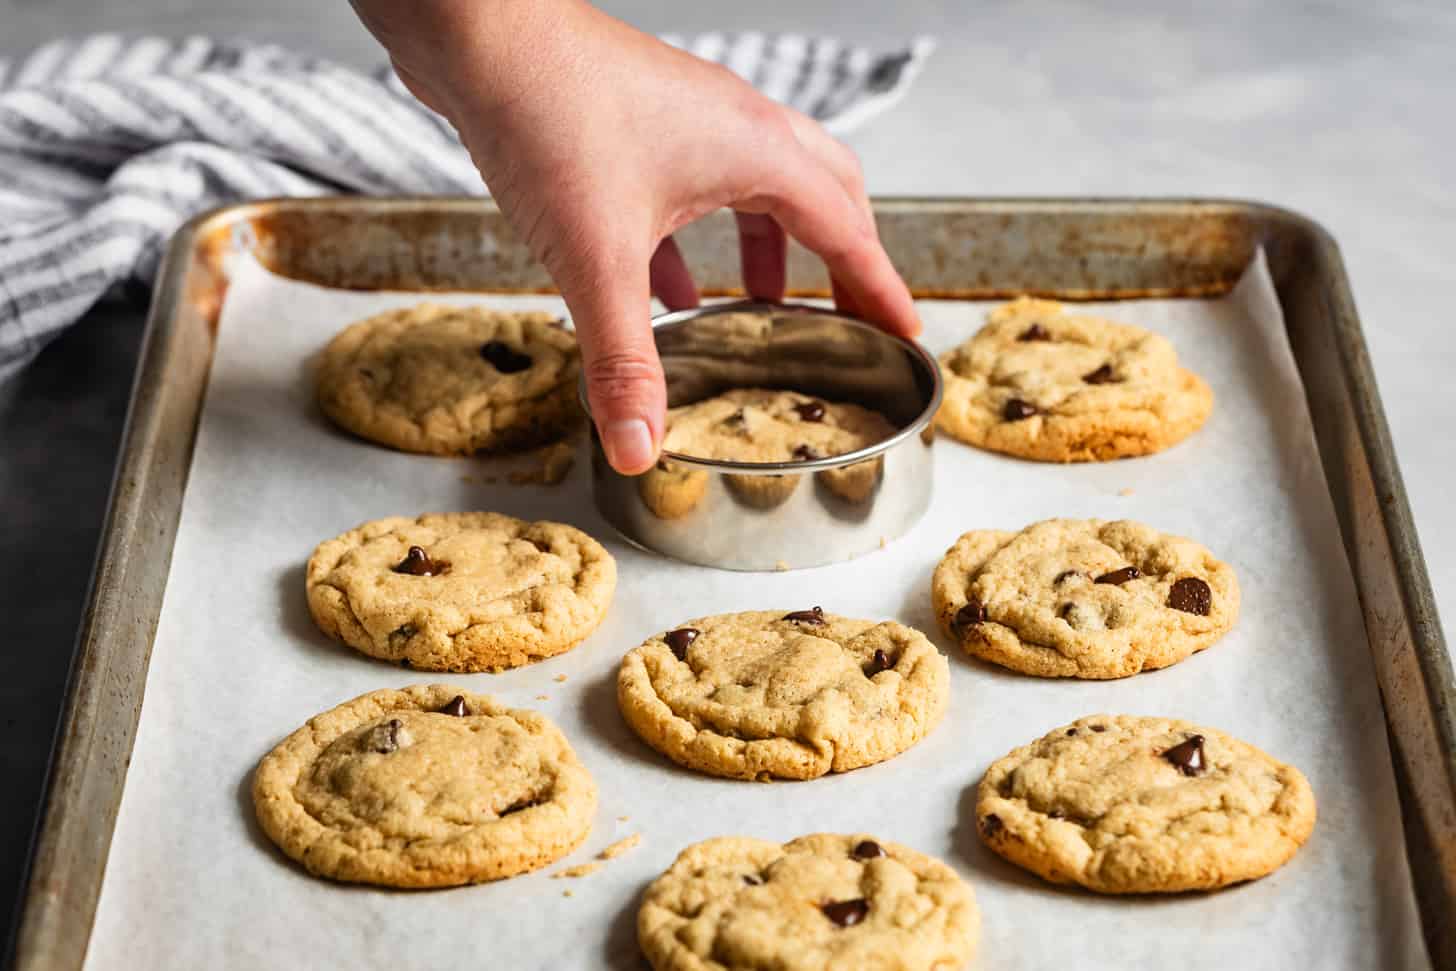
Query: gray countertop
pixel 1345 111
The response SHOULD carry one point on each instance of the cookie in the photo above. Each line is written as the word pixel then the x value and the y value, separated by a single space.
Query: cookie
pixel 756 425
pixel 1040 383
pixel 1125 804
pixel 776 694
pixel 452 380
pixel 671 490
pixel 465 591
pixel 816 903
pixel 1083 598
pixel 428 786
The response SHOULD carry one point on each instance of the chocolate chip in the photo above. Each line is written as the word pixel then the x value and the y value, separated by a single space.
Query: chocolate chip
pixel 1118 577
pixel 1192 596
pixel 969 616
pixel 385 738
pixel 1055 814
pixel 735 419
pixel 846 913
pixel 867 850
pixel 1071 732
pixel 1065 611
pixel 991 825
pixel 1064 576
pixel 1099 728
pixel 804 453
pixel 503 357
pixel 1187 756
pixel 811 410
pixel 403 632
pixel 455 706
pixel 814 615
pixel 516 807
pixel 753 879
pixel 880 662
pixel 417 563
pixel 679 640
pixel 1016 410
pixel 405 662
pixel 1102 375
pixel 1036 332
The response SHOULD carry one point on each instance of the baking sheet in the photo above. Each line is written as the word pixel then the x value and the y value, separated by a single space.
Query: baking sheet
pixel 237 665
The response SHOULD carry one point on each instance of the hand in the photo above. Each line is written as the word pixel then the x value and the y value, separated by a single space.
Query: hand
pixel 598 142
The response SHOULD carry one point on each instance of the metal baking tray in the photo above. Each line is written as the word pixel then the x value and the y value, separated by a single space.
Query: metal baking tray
pixel 961 248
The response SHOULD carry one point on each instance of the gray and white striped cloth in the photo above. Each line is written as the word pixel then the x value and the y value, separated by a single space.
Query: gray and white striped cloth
pixel 107 144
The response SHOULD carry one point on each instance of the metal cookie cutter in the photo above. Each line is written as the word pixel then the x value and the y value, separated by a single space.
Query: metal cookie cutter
pixel 781 515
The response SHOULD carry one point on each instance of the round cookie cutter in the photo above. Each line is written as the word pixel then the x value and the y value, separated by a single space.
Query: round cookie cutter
pixel 781 515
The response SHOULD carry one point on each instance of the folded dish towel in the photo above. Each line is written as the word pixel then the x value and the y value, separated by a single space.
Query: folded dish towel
pixel 108 144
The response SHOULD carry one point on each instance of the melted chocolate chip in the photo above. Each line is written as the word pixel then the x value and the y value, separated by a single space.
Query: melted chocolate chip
pixel 811 410
pixel 753 879
pixel 1102 375
pixel 403 633
pixel 387 741
pixel 455 706
pixel 679 640
pixel 503 357
pixel 880 662
pixel 1192 596
pixel 1187 756
pixel 735 419
pixel 814 615
pixel 973 613
pixel 991 824
pixel 805 453
pixel 1064 576
pixel 1055 814
pixel 846 913
pixel 405 662
pixel 417 563
pixel 1118 577
pixel 867 850
pixel 1071 732
pixel 1016 410
pixel 1065 611
pixel 1036 332
pixel 1099 728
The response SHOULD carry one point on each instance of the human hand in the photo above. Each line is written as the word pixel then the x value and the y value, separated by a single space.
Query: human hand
pixel 598 142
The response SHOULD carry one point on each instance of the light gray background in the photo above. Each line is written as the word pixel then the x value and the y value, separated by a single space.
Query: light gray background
pixel 1341 110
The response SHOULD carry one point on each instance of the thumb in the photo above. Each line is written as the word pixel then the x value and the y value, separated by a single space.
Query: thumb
pixel 612 310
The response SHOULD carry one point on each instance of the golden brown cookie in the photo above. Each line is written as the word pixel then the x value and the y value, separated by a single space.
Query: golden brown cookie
pixel 468 591
pixel 1124 804
pixel 452 380
pixel 776 694
pixel 818 903
pixel 429 786
pixel 1041 383
pixel 1083 598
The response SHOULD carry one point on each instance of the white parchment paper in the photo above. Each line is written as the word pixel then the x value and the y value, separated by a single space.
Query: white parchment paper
pixel 193 883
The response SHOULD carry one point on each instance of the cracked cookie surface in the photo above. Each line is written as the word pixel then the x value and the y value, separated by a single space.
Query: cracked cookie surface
pixel 452 380
pixel 1041 383
pixel 471 591
pixel 819 902
pixel 428 786
pixel 783 694
pixel 757 425
pixel 1125 804
pixel 1083 598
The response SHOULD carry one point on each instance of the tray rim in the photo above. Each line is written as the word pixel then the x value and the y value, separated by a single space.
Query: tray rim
pixel 62 885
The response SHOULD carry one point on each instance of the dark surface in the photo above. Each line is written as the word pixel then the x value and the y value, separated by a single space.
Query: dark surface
pixel 60 425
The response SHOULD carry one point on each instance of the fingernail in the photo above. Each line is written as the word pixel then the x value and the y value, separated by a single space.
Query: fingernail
pixel 629 445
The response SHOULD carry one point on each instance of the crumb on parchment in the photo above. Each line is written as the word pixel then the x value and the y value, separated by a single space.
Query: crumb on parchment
pixel 1124 492
pixel 781 566
pixel 566 893
pixel 580 870
pixel 623 819
pixel 543 697
pixel 561 677
pixel 624 845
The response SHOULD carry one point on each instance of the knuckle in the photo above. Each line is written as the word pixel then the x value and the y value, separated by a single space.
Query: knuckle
pixel 616 376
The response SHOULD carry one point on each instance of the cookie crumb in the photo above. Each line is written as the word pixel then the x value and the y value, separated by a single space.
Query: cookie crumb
pixel 543 697
pixel 580 870
pixel 566 893
pixel 1124 492
pixel 884 541
pixel 623 845
pixel 781 566
pixel 560 678
pixel 623 819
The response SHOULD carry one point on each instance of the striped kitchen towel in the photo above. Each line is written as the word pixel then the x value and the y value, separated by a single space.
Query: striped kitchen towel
pixel 108 144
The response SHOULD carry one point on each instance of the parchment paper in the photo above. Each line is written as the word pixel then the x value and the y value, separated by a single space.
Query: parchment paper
pixel 193 883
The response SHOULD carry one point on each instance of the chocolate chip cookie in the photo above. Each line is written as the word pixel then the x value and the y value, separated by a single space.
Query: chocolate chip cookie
pixel 755 425
pixel 817 903
pixel 1125 804
pixel 1041 383
pixel 469 591
pixel 1083 598
pixel 429 786
pixel 452 380
pixel 783 694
